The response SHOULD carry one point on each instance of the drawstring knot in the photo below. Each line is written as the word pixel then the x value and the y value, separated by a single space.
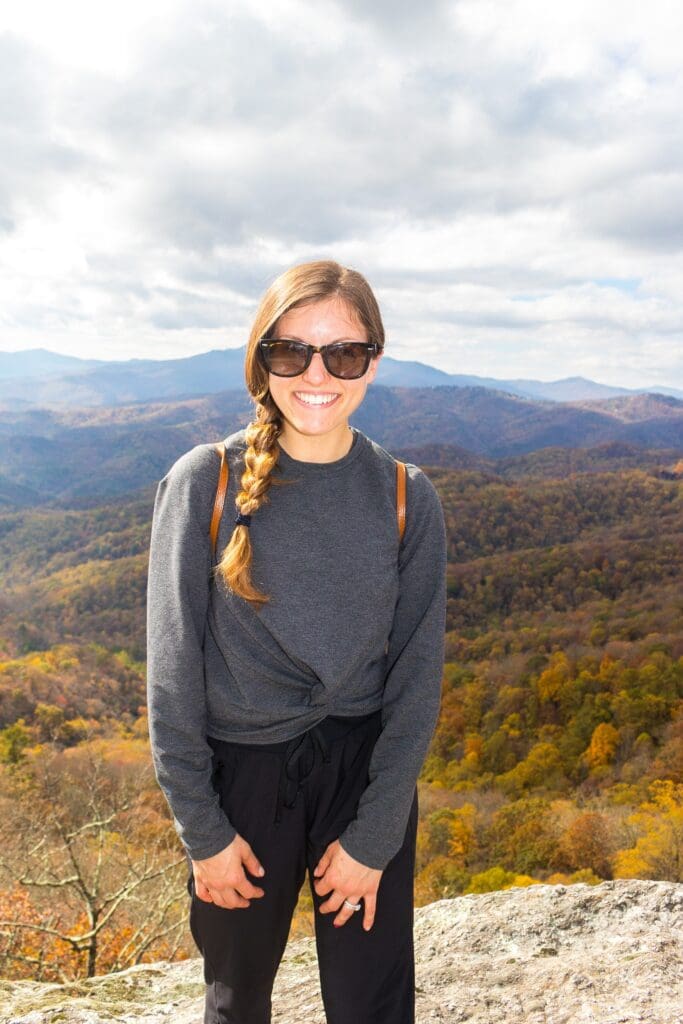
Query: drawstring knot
pixel 297 766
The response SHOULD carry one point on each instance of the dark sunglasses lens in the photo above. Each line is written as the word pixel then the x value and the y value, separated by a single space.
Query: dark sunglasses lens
pixel 285 358
pixel 347 361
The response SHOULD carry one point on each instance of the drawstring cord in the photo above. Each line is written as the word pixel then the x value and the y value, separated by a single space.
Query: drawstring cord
pixel 291 774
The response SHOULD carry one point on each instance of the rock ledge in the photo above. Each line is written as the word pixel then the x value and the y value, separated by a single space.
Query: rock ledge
pixel 546 954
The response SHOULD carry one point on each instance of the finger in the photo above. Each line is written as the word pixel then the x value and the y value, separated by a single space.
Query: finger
pixel 346 912
pixel 224 889
pixel 244 885
pixel 247 890
pixel 323 887
pixel 370 901
pixel 323 864
pixel 229 899
pixel 325 882
pixel 333 903
pixel 232 903
pixel 254 865
pixel 202 892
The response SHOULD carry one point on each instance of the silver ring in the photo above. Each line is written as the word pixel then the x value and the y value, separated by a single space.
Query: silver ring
pixel 352 906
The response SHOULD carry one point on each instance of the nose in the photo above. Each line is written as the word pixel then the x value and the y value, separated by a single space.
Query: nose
pixel 316 372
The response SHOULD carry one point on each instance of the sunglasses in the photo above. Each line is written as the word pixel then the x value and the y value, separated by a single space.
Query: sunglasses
pixel 346 360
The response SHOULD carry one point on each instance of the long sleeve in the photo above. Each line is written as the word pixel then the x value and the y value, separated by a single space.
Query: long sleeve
pixel 177 601
pixel 412 692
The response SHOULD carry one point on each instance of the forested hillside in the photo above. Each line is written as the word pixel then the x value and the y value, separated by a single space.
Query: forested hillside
pixel 558 754
pixel 85 456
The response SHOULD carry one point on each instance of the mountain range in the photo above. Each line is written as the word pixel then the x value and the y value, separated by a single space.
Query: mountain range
pixel 89 454
pixel 40 377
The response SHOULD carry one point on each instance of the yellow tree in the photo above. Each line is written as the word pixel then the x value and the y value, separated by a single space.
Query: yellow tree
pixel 541 767
pixel 658 851
pixel 462 843
pixel 603 745
pixel 553 678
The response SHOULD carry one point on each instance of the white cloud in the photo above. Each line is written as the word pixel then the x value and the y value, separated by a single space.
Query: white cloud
pixel 507 174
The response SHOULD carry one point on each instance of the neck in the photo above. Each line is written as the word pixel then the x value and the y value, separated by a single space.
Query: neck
pixel 305 448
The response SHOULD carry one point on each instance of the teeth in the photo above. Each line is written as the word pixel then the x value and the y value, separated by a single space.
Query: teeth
pixel 315 399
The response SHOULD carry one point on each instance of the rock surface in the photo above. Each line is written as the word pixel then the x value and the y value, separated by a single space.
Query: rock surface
pixel 547 954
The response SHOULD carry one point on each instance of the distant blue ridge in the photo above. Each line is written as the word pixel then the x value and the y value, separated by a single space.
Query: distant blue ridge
pixel 38 377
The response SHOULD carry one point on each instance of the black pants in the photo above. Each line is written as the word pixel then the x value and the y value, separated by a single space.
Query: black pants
pixel 289 801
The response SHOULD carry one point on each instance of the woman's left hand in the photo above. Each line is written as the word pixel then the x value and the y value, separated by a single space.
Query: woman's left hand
pixel 344 878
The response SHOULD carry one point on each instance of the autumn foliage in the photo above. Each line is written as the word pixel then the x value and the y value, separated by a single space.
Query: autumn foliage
pixel 91 876
pixel 558 755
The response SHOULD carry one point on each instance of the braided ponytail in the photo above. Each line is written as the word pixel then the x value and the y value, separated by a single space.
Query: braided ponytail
pixel 299 286
pixel 260 458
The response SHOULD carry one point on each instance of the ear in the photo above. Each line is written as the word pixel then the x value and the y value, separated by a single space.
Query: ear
pixel 372 369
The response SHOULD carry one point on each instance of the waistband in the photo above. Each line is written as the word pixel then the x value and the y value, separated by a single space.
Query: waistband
pixel 298 754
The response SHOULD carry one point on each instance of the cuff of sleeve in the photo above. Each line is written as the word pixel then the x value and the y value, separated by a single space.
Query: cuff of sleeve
pixel 204 850
pixel 360 852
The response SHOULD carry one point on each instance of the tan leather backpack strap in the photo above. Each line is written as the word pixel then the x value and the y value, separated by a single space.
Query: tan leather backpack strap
pixel 219 501
pixel 401 498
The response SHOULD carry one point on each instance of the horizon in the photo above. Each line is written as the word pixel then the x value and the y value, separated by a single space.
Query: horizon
pixel 421 362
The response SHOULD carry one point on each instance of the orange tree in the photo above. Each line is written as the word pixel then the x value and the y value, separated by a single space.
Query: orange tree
pixel 92 870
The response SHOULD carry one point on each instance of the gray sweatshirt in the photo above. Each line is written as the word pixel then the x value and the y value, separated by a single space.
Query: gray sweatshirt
pixel 354 623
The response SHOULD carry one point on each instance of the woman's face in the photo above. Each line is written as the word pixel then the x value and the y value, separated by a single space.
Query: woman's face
pixel 321 426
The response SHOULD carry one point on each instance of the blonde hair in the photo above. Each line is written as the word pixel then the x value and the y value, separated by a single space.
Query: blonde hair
pixel 299 286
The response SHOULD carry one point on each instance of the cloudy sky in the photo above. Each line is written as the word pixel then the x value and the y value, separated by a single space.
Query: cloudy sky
pixel 508 174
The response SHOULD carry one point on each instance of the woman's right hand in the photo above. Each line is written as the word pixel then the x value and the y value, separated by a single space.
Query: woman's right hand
pixel 222 879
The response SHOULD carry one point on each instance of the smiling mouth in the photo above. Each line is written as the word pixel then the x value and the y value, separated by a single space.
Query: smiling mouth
pixel 316 400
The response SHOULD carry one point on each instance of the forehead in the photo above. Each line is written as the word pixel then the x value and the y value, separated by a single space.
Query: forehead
pixel 328 319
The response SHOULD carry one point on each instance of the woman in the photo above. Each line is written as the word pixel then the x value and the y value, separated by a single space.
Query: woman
pixel 294 685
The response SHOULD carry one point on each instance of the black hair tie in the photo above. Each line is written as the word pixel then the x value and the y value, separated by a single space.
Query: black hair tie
pixel 242 520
